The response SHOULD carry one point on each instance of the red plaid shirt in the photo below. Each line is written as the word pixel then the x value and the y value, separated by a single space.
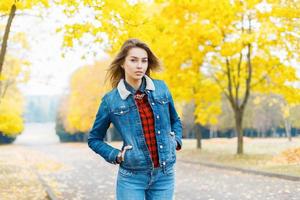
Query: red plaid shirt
pixel 147 119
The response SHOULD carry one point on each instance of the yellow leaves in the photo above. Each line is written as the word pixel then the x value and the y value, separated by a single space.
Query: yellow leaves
pixel 87 93
pixel 11 124
pixel 27 4
pixel 208 104
pixel 2 77
pixel 15 70
pixel 20 38
pixel 5 5
pixel 289 156
pixel 188 35
pixel 11 109
pixel 285 111
pixel 231 48
pixel 247 38
pixel 11 102
pixel 75 32
pixel 257 100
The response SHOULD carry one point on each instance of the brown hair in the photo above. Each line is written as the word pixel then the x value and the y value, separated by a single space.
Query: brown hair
pixel 116 72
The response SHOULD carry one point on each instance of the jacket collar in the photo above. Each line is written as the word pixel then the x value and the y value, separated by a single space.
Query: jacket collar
pixel 124 93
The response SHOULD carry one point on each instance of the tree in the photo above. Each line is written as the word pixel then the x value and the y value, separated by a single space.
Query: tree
pixel 10 7
pixel 86 88
pixel 16 70
pixel 11 107
pixel 212 48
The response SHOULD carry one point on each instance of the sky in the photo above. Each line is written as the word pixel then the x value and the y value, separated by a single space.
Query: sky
pixel 50 72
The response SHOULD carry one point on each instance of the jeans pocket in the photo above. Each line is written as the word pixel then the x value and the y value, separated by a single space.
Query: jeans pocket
pixel 125 173
pixel 170 171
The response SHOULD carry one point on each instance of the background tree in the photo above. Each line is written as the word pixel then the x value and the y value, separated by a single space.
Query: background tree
pixel 11 107
pixel 209 49
pixel 9 8
pixel 86 89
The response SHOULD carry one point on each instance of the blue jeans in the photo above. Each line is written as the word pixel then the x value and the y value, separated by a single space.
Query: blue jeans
pixel 156 184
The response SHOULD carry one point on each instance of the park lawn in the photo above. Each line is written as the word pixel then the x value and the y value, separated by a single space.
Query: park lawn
pixel 263 154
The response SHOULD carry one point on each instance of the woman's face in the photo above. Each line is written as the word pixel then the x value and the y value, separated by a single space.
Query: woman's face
pixel 135 64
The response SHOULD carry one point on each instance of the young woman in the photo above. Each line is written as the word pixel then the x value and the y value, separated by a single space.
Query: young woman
pixel 142 110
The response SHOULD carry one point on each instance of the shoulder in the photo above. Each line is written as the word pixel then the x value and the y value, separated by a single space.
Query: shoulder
pixel 109 96
pixel 159 83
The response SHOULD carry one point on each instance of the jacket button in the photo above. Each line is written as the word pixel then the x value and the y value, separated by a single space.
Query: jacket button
pixel 158 132
pixel 161 146
pixel 157 116
pixel 164 163
pixel 153 103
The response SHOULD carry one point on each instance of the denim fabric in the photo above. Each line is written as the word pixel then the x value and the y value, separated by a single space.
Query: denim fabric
pixel 119 108
pixel 156 184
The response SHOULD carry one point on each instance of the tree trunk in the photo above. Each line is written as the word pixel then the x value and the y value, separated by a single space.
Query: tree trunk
pixel 288 129
pixel 239 130
pixel 198 135
pixel 211 132
pixel 5 39
pixel 273 132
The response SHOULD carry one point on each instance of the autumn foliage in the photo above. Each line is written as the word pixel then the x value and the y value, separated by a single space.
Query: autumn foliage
pixel 81 104
pixel 289 156
pixel 210 49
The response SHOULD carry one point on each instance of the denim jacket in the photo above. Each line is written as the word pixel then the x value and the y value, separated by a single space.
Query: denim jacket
pixel 119 108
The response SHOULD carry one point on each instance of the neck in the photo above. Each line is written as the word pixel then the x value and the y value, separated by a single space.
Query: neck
pixel 134 83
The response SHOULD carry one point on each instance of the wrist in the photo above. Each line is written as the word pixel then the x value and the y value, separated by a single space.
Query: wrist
pixel 119 158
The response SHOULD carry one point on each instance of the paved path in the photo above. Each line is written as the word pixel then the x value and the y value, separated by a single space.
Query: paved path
pixel 86 176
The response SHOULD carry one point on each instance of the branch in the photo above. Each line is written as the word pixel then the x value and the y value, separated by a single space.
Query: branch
pixel 249 68
pixel 239 74
pixel 229 79
pixel 6 35
pixel 264 76
pixel 223 89
pixel 8 83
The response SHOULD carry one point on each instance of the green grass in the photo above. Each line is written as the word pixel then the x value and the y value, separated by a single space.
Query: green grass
pixel 258 154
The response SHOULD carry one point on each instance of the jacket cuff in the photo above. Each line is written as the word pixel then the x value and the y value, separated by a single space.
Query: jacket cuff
pixel 113 155
pixel 179 144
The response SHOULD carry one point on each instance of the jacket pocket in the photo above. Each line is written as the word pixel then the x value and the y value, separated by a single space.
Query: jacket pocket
pixel 132 158
pixel 162 100
pixel 120 111
pixel 120 115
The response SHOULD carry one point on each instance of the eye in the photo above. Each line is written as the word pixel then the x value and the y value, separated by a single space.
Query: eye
pixel 133 60
pixel 144 61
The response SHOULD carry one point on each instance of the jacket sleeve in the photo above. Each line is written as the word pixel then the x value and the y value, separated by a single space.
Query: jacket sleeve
pixel 176 125
pixel 98 132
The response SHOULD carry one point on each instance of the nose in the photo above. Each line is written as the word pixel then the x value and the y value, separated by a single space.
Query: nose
pixel 139 65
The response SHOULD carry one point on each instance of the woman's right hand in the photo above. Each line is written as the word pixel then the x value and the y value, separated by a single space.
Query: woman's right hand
pixel 121 156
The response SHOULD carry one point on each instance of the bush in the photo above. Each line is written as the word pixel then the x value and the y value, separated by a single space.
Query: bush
pixel 4 139
pixel 68 137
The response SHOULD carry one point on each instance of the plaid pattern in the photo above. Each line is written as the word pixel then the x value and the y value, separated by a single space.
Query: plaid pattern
pixel 147 119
